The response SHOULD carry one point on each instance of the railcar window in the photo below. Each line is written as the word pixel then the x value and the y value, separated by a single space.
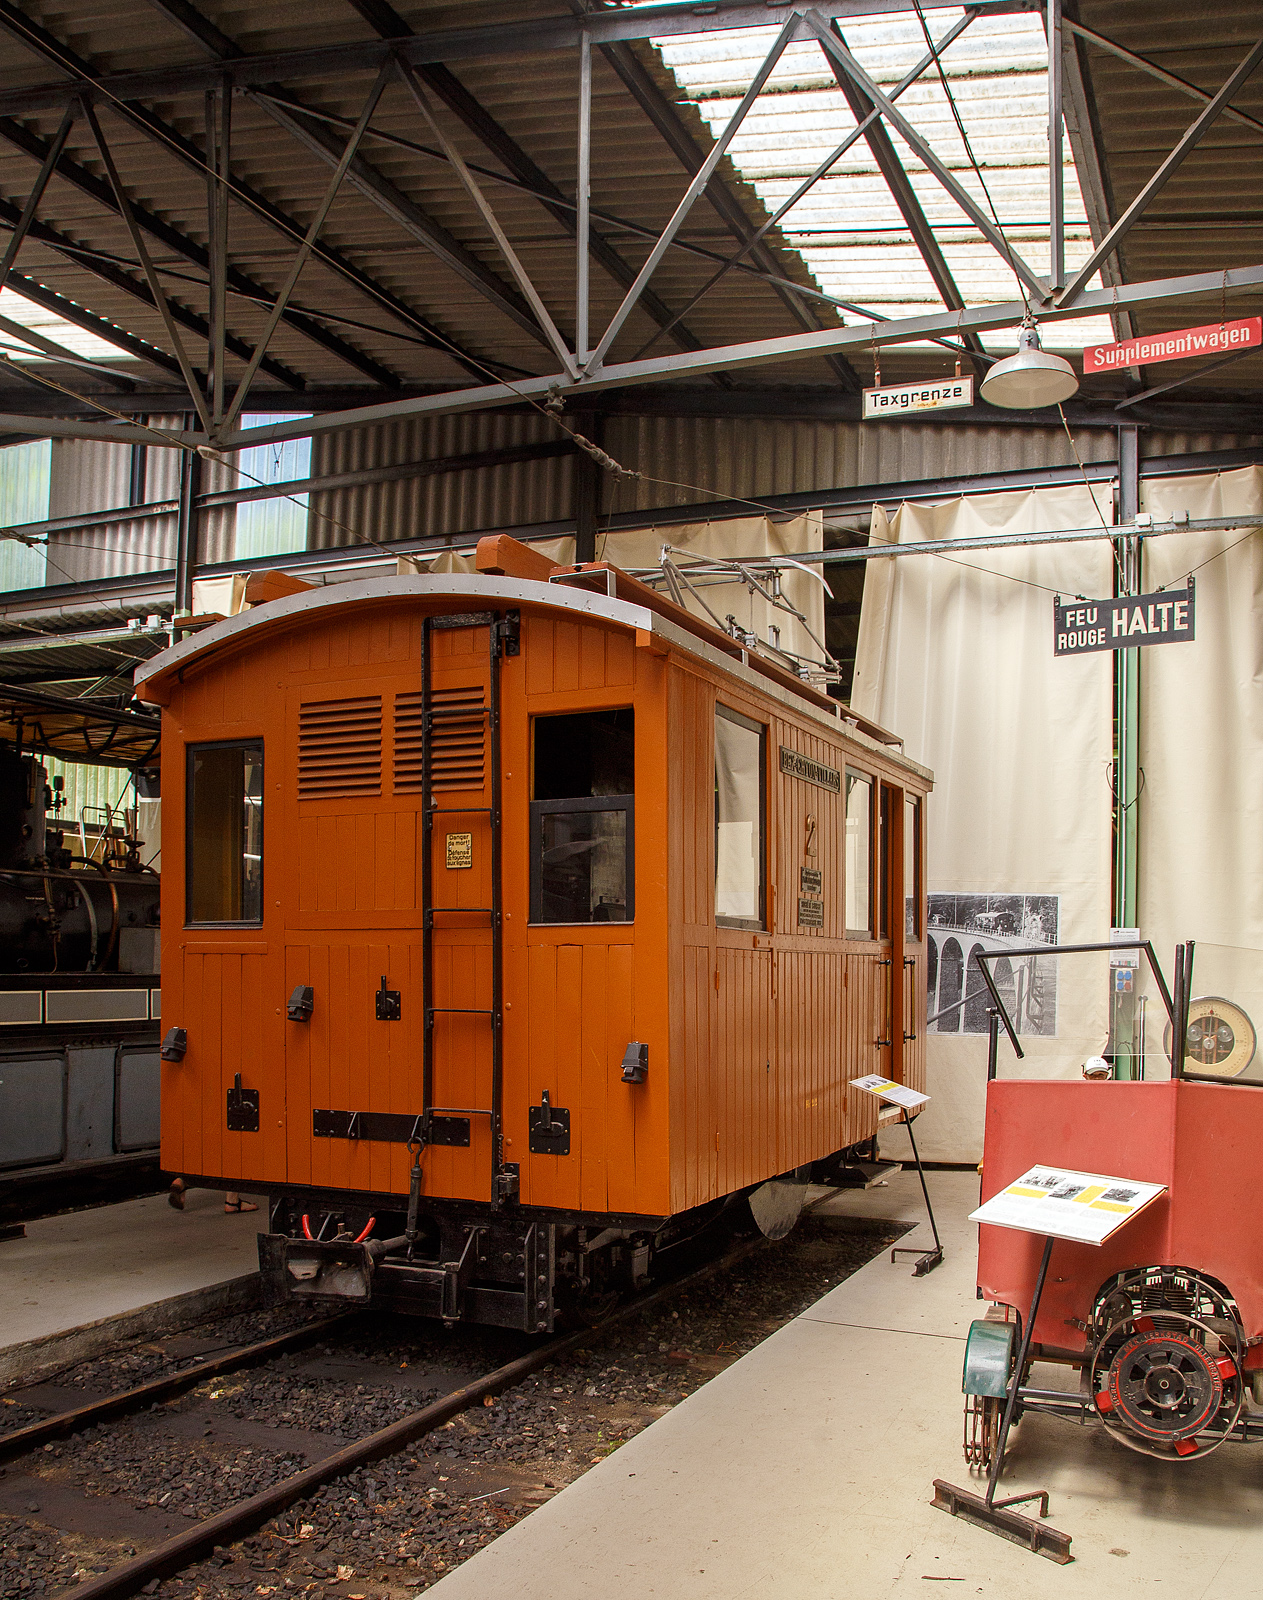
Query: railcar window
pixel 225 833
pixel 912 870
pixel 859 856
pixel 583 818
pixel 739 821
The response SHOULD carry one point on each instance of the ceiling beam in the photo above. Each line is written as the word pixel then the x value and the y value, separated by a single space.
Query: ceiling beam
pixel 753 353
pixel 1079 116
pixel 415 221
pixel 1187 142
pixel 496 39
pixel 78 316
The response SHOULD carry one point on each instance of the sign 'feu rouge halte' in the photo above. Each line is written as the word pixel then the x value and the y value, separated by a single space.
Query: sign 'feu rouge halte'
pixel 1082 626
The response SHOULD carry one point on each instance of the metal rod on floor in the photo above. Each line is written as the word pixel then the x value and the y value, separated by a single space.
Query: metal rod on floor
pixel 926 1260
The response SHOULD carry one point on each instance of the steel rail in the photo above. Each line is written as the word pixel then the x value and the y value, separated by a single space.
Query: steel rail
pixel 168 1386
pixel 227 1526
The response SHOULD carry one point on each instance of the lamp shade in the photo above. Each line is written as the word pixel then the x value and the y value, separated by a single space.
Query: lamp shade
pixel 1029 379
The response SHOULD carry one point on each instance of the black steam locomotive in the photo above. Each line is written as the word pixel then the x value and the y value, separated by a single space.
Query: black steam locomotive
pixel 79 992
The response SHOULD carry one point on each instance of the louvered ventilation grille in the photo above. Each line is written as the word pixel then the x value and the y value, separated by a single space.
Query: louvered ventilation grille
pixel 458 749
pixel 340 748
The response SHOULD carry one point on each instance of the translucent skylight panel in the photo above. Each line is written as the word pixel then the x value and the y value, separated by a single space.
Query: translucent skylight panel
pixel 848 229
pixel 77 340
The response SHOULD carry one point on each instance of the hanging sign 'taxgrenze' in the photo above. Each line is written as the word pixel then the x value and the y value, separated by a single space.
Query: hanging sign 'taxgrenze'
pixel 1081 626
pixel 940 394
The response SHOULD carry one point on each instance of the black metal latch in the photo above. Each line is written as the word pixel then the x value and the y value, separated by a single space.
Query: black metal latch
pixel 243 1108
pixel 301 1003
pixel 548 1128
pixel 508 633
pixel 174 1044
pixel 635 1063
pixel 389 1003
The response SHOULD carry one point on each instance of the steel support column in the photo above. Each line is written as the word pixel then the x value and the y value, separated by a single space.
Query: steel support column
pixel 587 488
pixel 186 534
pixel 1126 820
pixel 1056 175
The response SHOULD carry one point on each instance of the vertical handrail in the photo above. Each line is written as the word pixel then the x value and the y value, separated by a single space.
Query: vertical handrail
pixel 497 921
pixel 427 883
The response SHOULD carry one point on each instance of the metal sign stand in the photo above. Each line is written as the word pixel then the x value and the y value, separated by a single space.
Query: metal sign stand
pixel 926 1260
pixel 998 1515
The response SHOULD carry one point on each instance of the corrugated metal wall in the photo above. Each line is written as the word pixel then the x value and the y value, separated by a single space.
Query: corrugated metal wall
pixel 682 460
pixel 446 503
pixel 90 476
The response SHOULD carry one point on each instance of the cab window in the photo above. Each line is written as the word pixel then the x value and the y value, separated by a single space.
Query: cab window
pixel 224 825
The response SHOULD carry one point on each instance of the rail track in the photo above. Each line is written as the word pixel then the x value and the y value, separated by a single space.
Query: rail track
pixel 210 1535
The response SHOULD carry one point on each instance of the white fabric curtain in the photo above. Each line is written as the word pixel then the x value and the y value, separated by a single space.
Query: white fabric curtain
pixel 1201 744
pixel 955 654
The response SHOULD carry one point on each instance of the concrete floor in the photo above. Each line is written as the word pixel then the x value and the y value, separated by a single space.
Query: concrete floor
pixel 804 1472
pixel 89 1265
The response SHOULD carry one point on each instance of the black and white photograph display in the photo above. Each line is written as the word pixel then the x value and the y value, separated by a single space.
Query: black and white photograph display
pixel 959 925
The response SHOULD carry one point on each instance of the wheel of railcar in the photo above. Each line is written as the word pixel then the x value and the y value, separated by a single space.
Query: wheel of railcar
pixel 982 1429
pixel 777 1204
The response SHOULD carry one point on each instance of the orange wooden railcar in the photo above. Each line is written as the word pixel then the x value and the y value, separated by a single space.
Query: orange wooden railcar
pixel 512 923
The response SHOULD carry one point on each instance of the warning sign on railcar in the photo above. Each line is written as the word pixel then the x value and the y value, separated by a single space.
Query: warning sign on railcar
pixel 1081 626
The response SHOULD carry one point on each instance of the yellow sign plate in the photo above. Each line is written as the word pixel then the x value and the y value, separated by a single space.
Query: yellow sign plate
pixel 460 850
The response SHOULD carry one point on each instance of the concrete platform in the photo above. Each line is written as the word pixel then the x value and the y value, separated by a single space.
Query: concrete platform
pixel 804 1471
pixel 89 1269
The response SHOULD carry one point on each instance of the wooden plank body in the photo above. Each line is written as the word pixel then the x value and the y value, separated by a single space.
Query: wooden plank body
pixel 752 1035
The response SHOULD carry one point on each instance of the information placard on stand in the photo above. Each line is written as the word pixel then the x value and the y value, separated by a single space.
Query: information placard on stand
pixel 898 1094
pixel 1084 1207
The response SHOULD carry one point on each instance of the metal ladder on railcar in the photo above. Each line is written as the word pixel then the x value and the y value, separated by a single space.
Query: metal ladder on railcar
pixel 437 1123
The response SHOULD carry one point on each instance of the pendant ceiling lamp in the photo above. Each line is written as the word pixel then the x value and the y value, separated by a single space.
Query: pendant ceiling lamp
pixel 1031 378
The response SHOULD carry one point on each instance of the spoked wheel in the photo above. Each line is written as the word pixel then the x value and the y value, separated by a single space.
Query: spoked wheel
pixel 982 1429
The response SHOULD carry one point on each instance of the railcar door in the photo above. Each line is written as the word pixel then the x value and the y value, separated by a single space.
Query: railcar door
pixel 223 1110
pixel 392 914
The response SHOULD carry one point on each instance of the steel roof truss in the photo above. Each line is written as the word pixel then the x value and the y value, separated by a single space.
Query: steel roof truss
pixel 470 184
pixel 892 170
pixel 606 28
pixel 499 142
pixel 837 53
pixel 70 171
pixel 700 179
pixel 304 250
pixel 665 117
pixel 169 137
pixel 55 148
pixel 191 378
pixel 800 346
pixel 1189 140
pixel 1229 113
pixel 1079 118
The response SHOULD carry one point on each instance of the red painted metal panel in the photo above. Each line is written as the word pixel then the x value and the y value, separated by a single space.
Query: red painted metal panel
pixel 1202 1140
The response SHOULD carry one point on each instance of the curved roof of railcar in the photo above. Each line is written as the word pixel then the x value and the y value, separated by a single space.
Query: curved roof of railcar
pixel 155 677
